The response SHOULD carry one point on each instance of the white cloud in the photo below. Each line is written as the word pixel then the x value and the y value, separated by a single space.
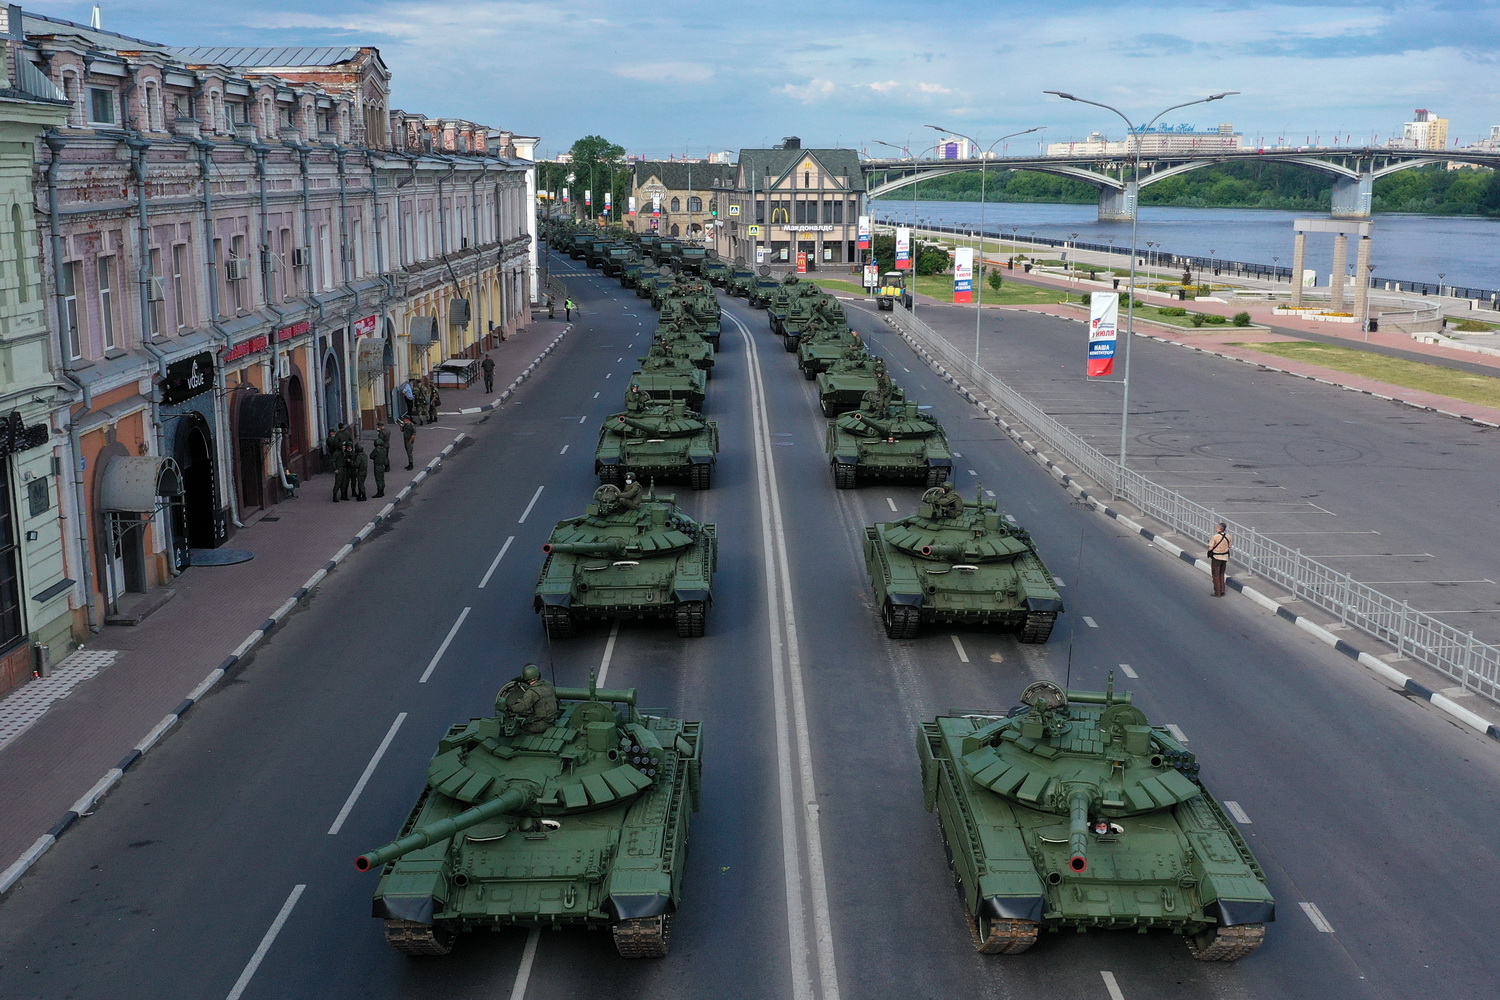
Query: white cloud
pixel 884 86
pixel 810 92
pixel 934 88
pixel 672 72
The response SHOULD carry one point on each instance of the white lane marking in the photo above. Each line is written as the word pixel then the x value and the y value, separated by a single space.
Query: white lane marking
pixel 596 395
pixel 973 473
pixel 1177 734
pixel 498 556
pixel 609 652
pixel 525 513
pixel 798 791
pixel 265 943
pixel 957 455
pixel 1112 986
pixel 582 418
pixel 359 786
pixel 990 494
pixel 444 647
pixel 891 502
pixel 618 360
pixel 1128 671
pixel 1090 622
pixel 565 449
pixel 1058 581
pixel 1316 916
pixel 608 374
pixel 528 956
pixel 958 647
pixel 1239 814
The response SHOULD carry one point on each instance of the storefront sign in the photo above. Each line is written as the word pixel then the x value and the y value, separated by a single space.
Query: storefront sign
pixel 808 228
pixel 187 378
pixel 903 249
pixel 366 326
pixel 801 262
pixel 295 330
pixel 245 348
pixel 963 275
pixel 1104 321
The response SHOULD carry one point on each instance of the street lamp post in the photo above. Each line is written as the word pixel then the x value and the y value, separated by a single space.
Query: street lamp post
pixel 1134 202
pixel 912 249
pixel 979 264
pixel 1073 268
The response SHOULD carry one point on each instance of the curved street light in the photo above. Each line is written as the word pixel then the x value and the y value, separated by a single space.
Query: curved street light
pixel 983 163
pixel 1133 200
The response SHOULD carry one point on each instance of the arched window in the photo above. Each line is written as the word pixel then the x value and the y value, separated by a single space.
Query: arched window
pixel 675 206
pixel 695 204
pixel 675 230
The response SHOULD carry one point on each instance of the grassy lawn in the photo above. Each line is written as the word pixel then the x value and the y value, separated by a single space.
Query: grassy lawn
pixel 1482 390
pixel 835 285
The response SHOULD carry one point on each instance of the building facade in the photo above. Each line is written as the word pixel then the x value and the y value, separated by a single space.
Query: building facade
pixel 240 255
pixel 676 198
pixel 787 201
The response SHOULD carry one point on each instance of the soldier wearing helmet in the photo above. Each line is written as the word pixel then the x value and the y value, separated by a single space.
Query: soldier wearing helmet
pixel 530 699
pixel 630 493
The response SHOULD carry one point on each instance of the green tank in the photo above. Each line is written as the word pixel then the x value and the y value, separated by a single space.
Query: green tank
pixel 666 375
pixel 959 563
pixel 792 304
pixel 691 302
pixel 1073 812
pixel 657 441
pixel 627 558
pixel 584 824
pixel 900 443
pixel 675 335
pixel 824 340
pixel 843 384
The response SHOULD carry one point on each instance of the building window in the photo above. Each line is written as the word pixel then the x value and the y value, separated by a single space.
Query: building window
pixel 833 211
pixel 179 283
pixel 781 212
pixel 105 267
pixel 18 240
pixel 102 106
pixel 68 288
pixel 10 581
pixel 695 204
pixel 237 287
pixel 286 280
pixel 807 212
pixel 155 299
pixel 675 206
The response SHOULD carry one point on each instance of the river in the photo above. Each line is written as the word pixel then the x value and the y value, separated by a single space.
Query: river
pixel 1406 248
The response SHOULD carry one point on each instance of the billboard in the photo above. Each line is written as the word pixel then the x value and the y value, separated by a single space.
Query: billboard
pixel 903 248
pixel 1104 322
pixel 963 275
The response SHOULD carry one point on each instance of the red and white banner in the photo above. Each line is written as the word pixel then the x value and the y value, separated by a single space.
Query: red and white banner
pixel 864 232
pixel 903 249
pixel 801 261
pixel 963 275
pixel 1104 323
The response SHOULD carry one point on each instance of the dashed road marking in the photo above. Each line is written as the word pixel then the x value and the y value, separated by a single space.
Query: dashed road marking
pixel 1239 814
pixel 1112 986
pixel 359 786
pixel 266 942
pixel 565 449
pixel 527 512
pixel 1316 916
pixel 432 665
pixel 958 647
pixel 500 555
pixel 1089 622
pixel 1128 671
pixel 891 502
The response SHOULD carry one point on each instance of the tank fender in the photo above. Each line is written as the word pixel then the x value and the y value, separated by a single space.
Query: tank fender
pixel 1231 912
pixel 701 458
pixel 553 601
pixel 940 462
pixel 418 909
pixel 606 460
pixel 906 600
pixel 633 905
pixel 1044 604
pixel 693 595
pixel 1013 907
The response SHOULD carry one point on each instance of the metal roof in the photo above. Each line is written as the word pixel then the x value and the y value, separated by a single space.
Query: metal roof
pixel 265 57
pixel 37 24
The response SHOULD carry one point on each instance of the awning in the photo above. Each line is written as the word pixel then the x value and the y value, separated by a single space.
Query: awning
pixel 423 330
pixel 374 354
pixel 261 413
pixel 132 484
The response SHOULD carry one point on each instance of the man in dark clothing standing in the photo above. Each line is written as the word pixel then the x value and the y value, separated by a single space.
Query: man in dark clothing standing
pixel 1218 557
pixel 339 460
pixel 359 470
pixel 408 435
pixel 488 365
pixel 380 459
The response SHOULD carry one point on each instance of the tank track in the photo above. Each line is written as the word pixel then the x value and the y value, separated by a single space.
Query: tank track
pixel 411 938
pixel 845 476
pixel 700 476
pixel 643 937
pixel 558 622
pixel 902 621
pixel 691 619
pixel 937 475
pixel 1227 944
pixel 1038 626
pixel 790 342
pixel 1003 937
pixel 611 475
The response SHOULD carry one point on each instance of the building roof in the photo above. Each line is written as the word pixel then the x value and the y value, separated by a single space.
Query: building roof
pixel 775 163
pixel 36 24
pixel 677 175
pixel 266 57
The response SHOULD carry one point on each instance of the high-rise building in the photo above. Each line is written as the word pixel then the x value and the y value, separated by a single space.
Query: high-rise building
pixel 1428 131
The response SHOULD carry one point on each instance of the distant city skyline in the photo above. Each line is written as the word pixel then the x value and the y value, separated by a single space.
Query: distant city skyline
pixel 687 78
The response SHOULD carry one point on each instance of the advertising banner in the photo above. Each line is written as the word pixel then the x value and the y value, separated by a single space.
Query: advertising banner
pixel 1104 322
pixel 963 275
pixel 864 232
pixel 801 262
pixel 609 198
pixel 631 204
pixel 565 194
pixel 872 275
pixel 656 204
pixel 903 249
pixel 588 196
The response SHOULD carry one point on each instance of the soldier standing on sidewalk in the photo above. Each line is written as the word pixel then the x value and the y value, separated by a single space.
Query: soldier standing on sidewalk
pixel 380 459
pixel 488 364
pixel 339 460
pixel 359 470
pixel 408 435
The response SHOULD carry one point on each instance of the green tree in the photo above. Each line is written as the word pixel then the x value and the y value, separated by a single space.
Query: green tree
pixel 596 168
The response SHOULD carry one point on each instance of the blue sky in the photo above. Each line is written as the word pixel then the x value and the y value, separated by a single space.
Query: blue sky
pixel 696 76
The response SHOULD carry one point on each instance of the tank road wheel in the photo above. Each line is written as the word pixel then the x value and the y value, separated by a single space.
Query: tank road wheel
pixel 700 476
pixel 1227 944
pixel 844 476
pixel 611 475
pixel 558 622
pixel 643 937
pixel 411 938
pixel 691 619
pixel 901 621
pixel 1038 626
pixel 937 475
pixel 1002 937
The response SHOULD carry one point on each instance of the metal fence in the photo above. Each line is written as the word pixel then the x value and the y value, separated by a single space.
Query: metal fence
pixel 1472 664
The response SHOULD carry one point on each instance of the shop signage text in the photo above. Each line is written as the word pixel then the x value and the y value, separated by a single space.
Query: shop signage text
pixel 245 348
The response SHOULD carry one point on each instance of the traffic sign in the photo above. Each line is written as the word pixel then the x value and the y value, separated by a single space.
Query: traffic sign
pixel 734 210
pixel 753 230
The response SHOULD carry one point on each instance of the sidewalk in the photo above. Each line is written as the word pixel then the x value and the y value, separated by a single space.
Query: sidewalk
pixel 66 739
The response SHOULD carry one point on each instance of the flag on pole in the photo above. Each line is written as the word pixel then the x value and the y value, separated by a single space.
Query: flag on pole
pixel 963 275
pixel 1104 322
pixel 903 249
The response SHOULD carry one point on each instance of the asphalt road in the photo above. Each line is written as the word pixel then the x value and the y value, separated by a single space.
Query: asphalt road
pixel 814 871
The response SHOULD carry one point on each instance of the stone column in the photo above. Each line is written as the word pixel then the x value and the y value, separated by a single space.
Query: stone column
pixel 1362 281
pixel 1299 260
pixel 1336 278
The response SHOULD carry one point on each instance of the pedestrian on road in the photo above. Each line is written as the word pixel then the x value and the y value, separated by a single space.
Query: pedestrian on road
pixel 340 462
pixel 408 435
pixel 551 306
pixel 488 364
pixel 1218 557
pixel 359 470
pixel 380 459
pixel 568 308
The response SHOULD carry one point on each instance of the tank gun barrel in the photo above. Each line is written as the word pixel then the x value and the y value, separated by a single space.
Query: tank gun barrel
pixel 516 797
pixel 948 552
pixel 612 547
pixel 639 425
pixel 881 427
pixel 1078 829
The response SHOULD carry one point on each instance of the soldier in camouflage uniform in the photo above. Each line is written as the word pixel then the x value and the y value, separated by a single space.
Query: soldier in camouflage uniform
pixel 339 460
pixel 380 459
pixel 408 435
pixel 530 698
pixel 359 470
pixel 946 503
pixel 630 493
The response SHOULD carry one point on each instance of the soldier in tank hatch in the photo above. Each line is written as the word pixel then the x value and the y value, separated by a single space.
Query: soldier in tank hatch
pixel 530 698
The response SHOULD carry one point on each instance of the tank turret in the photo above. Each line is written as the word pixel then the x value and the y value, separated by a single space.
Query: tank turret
pixel 513 799
pixel 658 442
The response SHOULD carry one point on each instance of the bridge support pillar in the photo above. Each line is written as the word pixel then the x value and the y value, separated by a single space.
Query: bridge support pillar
pixel 1299 262
pixel 1352 196
pixel 1118 204
pixel 1336 276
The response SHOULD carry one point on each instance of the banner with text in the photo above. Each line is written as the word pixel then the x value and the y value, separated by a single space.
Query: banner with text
pixel 631 203
pixel 963 275
pixel 903 249
pixel 1104 322
pixel 864 232
pixel 588 196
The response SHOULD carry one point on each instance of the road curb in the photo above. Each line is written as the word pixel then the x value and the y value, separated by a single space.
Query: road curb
pixel 90 800
pixel 1371 662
